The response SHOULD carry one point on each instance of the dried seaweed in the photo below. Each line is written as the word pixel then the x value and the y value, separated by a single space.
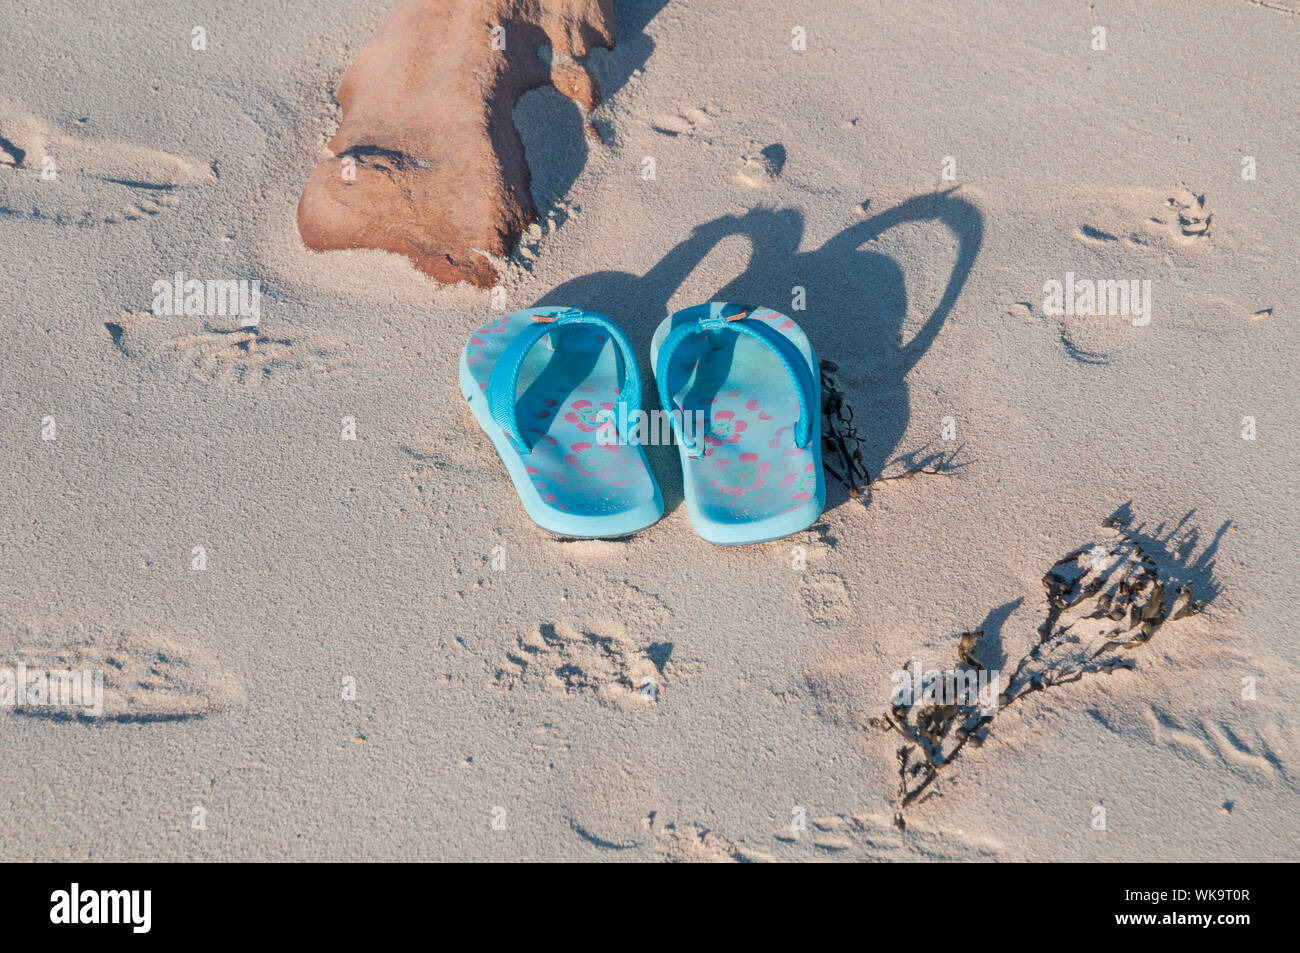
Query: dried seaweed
pixel 842 457
pixel 1103 601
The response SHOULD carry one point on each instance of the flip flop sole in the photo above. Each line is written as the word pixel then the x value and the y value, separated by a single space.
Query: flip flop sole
pixel 576 481
pixel 753 484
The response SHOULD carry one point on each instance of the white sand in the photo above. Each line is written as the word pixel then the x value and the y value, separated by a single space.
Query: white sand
pixel 371 559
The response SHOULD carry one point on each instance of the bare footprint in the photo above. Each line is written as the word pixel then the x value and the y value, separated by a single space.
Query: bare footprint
pixel 250 358
pixel 51 176
pixel 125 675
pixel 687 124
pixel 599 661
pixel 825 597
pixel 761 168
pixel 1147 218
pixel 227 356
pixel 693 844
pixel 865 837
pixel 1091 339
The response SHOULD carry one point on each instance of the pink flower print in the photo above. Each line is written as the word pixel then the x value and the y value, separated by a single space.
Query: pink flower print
pixel 608 463
pixel 625 469
pixel 740 476
pixel 535 475
pixel 725 429
pixel 492 327
pixel 751 405
pixel 587 415
pixel 803 483
pixel 777 441
pixel 539 482
pixel 588 459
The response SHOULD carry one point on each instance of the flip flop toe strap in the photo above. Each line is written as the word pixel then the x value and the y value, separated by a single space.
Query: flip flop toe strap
pixel 503 383
pixel 791 359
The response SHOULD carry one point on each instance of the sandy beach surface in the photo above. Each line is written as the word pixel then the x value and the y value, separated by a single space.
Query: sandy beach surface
pixel 329 630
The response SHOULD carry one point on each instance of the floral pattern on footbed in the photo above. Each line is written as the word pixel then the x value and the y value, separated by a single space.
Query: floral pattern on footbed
pixel 573 462
pixel 607 463
pixel 587 416
pixel 725 428
pixel 734 480
pixel 741 476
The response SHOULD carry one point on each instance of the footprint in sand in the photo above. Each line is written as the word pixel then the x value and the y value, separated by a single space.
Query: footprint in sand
pixel 685 124
pixel 1126 219
pixel 50 176
pixel 863 837
pixel 1148 218
pixel 693 844
pixel 599 661
pixel 825 597
pixel 145 676
pixel 251 358
pixel 761 168
pixel 1087 340
pixel 529 248
pixel 235 356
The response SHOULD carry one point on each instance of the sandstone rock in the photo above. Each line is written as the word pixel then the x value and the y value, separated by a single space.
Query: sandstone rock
pixel 427 162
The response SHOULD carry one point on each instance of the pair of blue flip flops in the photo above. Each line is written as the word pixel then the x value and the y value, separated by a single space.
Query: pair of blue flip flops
pixel 558 391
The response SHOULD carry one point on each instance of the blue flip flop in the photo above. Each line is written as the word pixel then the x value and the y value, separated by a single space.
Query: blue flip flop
pixel 549 386
pixel 753 471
